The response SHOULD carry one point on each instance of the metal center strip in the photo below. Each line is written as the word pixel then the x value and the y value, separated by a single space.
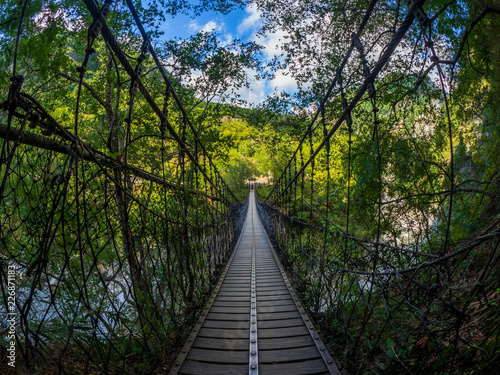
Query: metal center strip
pixel 253 354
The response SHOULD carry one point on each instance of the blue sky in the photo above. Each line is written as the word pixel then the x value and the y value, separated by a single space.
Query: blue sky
pixel 242 24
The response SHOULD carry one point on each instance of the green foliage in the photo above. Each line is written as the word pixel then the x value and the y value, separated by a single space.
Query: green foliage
pixel 405 162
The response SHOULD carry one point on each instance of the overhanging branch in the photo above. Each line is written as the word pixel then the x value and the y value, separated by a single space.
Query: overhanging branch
pixel 89 154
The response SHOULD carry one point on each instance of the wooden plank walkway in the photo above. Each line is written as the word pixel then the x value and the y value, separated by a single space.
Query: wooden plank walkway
pixel 254 323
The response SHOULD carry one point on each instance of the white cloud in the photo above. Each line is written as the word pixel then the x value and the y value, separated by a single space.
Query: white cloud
pixel 272 43
pixel 251 21
pixel 283 82
pixel 253 96
pixel 212 25
pixel 194 26
pixel 225 38
pixel 256 92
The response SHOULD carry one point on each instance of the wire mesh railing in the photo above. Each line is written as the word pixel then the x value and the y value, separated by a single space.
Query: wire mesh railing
pixel 391 242
pixel 109 245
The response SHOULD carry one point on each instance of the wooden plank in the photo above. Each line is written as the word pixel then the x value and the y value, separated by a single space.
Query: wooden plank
pixel 271 289
pixel 224 356
pixel 240 272
pixel 270 286
pixel 239 263
pixel 266 275
pixel 275 274
pixel 267 278
pixel 210 343
pixel 272 298
pixel 230 303
pixel 236 285
pixel 234 289
pixel 289 342
pixel 316 366
pixel 269 275
pixel 274 308
pixel 222 316
pixel 240 275
pixel 237 278
pixel 289 355
pixel 234 294
pixel 203 368
pixel 281 332
pixel 272 292
pixel 274 284
pixel 270 282
pixel 277 315
pixel 281 302
pixel 223 333
pixel 237 282
pixel 280 323
pixel 231 309
pixel 224 324
pixel 232 298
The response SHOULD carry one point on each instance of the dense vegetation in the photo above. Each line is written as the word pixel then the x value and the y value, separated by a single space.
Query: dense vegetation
pixel 393 239
pixel 437 140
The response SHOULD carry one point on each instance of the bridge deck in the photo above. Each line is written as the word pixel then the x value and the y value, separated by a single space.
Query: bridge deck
pixel 229 340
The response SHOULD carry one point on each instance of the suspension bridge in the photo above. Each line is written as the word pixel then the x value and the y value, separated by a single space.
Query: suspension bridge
pixel 124 264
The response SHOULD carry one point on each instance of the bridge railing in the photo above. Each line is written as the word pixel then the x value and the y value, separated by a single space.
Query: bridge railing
pixel 369 214
pixel 108 248
pixel 376 302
